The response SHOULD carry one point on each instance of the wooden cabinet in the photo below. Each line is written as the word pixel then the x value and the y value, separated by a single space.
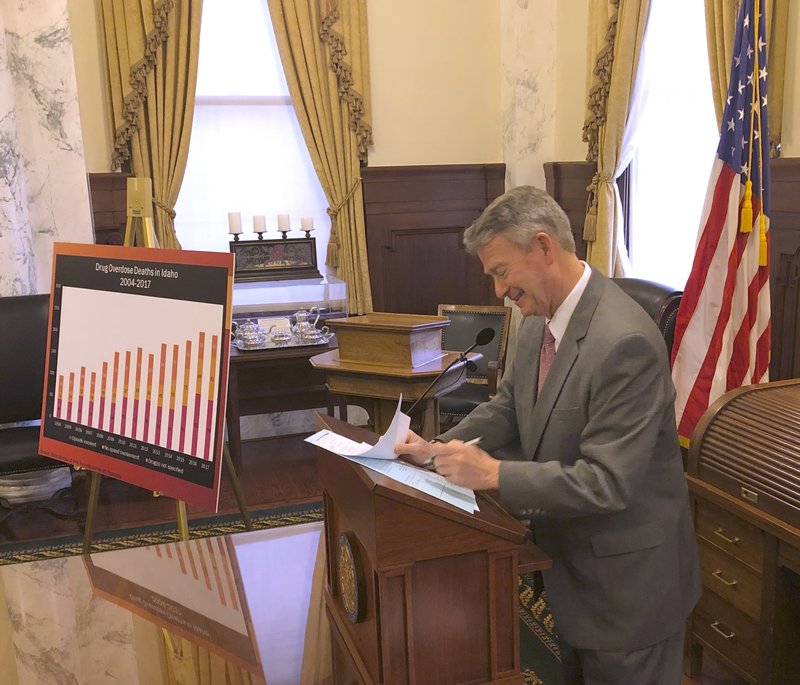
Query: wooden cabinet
pixel 749 613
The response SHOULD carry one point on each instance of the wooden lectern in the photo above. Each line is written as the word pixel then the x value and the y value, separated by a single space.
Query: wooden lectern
pixel 417 590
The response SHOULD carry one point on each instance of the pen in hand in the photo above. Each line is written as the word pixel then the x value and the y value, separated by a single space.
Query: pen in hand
pixel 429 463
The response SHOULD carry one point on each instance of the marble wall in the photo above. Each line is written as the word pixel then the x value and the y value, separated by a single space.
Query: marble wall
pixel 43 190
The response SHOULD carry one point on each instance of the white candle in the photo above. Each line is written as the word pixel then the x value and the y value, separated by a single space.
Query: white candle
pixel 283 222
pixel 234 223
pixel 260 223
pixel 307 223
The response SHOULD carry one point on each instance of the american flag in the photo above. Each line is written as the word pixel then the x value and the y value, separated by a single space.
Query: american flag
pixel 722 334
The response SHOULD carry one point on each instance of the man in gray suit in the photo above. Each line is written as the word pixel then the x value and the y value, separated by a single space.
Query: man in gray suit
pixel 599 474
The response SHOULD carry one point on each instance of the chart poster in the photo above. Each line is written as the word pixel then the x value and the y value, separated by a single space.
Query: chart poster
pixel 137 367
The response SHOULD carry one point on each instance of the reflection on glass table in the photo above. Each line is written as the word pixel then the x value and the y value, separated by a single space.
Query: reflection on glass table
pixel 225 609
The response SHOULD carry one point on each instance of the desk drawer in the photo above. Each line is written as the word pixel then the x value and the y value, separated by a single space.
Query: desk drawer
pixel 730 534
pixel 728 631
pixel 732 580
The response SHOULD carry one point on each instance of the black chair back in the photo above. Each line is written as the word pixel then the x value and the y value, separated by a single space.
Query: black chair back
pixel 659 301
pixel 466 321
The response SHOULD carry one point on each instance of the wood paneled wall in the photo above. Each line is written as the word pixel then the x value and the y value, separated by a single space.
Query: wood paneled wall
pixel 108 193
pixel 784 255
pixel 415 218
pixel 567 182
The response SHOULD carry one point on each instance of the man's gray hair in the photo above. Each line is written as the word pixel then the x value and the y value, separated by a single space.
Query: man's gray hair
pixel 519 215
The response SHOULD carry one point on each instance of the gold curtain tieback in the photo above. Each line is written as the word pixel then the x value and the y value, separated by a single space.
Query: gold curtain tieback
pixel 168 210
pixel 597 179
pixel 333 212
pixel 590 222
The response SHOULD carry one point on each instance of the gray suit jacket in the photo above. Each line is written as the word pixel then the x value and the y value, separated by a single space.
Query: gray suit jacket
pixel 600 473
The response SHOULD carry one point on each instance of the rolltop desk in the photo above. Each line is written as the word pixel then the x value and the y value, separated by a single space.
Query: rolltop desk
pixel 744 480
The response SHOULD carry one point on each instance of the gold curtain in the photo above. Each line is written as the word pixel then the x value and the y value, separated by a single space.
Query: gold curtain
pixel 609 100
pixel 152 50
pixel 720 34
pixel 317 664
pixel 187 663
pixel 324 51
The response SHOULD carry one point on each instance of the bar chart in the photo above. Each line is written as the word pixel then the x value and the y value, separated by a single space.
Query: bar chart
pixel 153 379
pixel 137 366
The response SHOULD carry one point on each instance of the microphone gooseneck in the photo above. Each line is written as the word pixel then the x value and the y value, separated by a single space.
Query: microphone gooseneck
pixel 484 337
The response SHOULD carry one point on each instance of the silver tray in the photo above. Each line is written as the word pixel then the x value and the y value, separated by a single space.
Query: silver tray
pixel 270 345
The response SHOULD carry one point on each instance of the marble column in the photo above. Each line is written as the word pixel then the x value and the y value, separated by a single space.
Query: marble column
pixel 43 191
pixel 528 100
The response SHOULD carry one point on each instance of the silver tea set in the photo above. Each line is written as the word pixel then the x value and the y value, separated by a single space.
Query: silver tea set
pixel 302 330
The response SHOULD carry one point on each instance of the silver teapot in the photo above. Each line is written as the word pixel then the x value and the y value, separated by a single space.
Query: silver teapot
pixel 305 326
pixel 248 335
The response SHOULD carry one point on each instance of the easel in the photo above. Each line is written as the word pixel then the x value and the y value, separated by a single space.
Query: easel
pixel 139 230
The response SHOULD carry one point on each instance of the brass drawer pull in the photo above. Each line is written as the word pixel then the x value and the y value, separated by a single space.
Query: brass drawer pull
pixel 718 575
pixel 715 626
pixel 720 533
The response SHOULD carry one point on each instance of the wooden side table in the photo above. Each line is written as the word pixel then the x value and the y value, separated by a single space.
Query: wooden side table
pixel 273 380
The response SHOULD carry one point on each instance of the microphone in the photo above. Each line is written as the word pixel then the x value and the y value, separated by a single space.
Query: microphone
pixel 484 337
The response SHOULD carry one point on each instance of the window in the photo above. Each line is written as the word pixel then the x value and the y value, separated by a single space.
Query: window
pixel 676 143
pixel 247 153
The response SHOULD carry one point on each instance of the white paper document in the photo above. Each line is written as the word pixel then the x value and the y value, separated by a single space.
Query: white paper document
pixel 383 449
pixel 381 458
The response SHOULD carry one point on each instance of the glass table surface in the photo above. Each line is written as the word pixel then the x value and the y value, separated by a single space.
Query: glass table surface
pixel 214 610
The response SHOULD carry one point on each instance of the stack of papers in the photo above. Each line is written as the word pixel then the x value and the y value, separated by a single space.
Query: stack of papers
pixel 381 457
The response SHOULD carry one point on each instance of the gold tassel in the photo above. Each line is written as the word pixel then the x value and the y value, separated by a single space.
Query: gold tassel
pixel 746 225
pixel 763 254
pixel 590 221
pixel 590 225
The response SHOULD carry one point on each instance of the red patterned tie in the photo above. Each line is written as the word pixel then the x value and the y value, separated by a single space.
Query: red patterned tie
pixel 546 355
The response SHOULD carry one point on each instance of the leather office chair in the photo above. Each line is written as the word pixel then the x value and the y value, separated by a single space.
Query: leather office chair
pixel 27 480
pixel 466 321
pixel 659 301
